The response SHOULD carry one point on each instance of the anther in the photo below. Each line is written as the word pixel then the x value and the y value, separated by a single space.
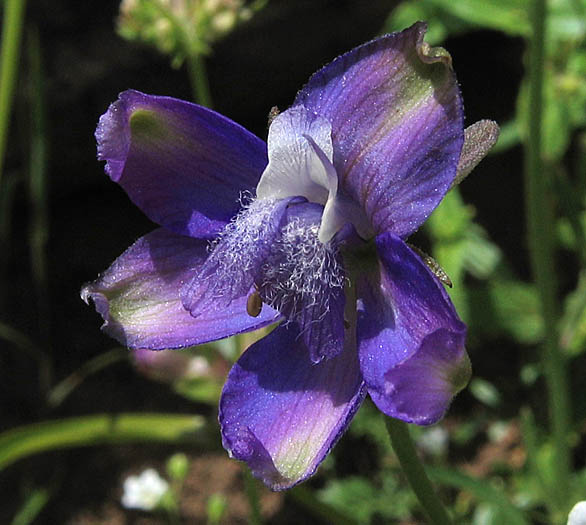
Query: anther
pixel 254 304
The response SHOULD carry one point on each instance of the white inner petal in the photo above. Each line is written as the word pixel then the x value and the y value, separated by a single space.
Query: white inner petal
pixel 294 168
pixel 300 164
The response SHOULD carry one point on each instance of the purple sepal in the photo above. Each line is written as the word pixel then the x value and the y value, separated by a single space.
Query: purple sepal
pixel 184 165
pixel 403 309
pixel 138 297
pixel 420 389
pixel 323 332
pixel 397 126
pixel 280 413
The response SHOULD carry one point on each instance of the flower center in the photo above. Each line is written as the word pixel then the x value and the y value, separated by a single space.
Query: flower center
pixel 301 272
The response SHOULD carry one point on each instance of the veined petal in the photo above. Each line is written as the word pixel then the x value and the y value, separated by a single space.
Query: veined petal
pixel 421 388
pixel 294 168
pixel 281 413
pixel 138 297
pixel 397 126
pixel 407 325
pixel 184 165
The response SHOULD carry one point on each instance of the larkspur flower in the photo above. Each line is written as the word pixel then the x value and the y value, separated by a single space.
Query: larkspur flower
pixel 369 148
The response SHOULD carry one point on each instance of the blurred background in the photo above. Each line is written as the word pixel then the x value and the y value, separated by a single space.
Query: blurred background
pixel 62 221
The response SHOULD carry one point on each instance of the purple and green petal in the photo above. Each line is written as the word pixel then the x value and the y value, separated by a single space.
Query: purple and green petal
pixel 397 126
pixel 280 413
pixel 138 297
pixel 421 388
pixel 183 165
pixel 404 312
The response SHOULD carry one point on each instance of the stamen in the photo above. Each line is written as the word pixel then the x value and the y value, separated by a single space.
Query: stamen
pixel 254 304
pixel 237 255
pixel 301 272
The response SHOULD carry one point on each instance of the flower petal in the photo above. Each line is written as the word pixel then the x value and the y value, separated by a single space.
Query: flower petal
pixel 421 388
pixel 300 164
pixel 281 413
pixel 397 126
pixel 294 168
pixel 138 297
pixel 184 165
pixel 304 278
pixel 405 314
pixel 237 259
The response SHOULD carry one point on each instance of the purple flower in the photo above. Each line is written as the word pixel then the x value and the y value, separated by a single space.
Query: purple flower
pixel 369 148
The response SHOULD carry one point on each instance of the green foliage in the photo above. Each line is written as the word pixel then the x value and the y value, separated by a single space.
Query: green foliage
pixel 456 17
pixel 362 499
pixel 216 508
pixel 33 505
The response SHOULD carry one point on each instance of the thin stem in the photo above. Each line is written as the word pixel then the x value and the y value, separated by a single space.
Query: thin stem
pixel 251 490
pixel 199 79
pixel 415 473
pixel 541 247
pixel 11 36
pixel 27 345
pixel 37 185
pixel 61 390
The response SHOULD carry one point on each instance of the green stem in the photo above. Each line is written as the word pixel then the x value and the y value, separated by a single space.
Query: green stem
pixel 101 429
pixel 61 390
pixel 11 36
pixel 251 490
pixel 541 246
pixel 199 79
pixel 37 185
pixel 28 346
pixel 415 473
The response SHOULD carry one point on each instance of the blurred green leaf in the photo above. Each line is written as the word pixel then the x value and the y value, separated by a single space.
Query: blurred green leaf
pixel 216 507
pixel 32 439
pixel 440 24
pixel 328 513
pixel 573 322
pixel 449 221
pixel 34 504
pixel 506 307
pixel 177 466
pixel 556 123
pixel 201 390
pixel 566 20
pixel 482 490
pixel 485 392
pixel 510 16
pixel 448 18
pixel 368 422
pixel 387 500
